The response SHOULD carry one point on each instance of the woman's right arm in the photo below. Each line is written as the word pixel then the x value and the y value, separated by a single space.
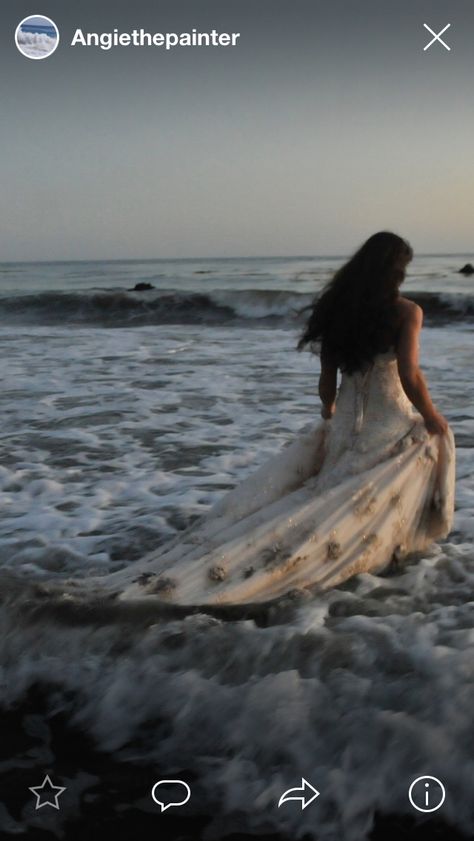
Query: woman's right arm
pixel 412 379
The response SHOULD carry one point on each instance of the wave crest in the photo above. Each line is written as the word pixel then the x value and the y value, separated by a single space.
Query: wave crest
pixel 121 308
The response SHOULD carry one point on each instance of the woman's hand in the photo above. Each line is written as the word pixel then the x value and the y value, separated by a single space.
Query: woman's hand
pixel 328 411
pixel 436 424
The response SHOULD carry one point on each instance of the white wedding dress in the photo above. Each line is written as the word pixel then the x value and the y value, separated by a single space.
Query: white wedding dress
pixel 355 492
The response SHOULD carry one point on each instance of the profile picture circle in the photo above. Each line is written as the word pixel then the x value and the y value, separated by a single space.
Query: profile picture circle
pixel 37 36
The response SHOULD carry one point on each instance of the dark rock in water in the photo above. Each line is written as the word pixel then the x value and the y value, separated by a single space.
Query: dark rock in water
pixel 141 287
pixel 467 269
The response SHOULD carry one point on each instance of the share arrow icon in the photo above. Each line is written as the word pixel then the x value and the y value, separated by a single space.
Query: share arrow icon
pixel 306 794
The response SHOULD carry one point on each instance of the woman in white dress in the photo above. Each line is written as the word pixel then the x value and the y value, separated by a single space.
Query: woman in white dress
pixel 372 482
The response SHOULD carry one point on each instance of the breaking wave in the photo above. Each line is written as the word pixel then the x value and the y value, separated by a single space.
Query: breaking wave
pixel 121 308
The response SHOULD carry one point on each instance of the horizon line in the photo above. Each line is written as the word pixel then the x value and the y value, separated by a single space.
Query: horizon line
pixel 234 257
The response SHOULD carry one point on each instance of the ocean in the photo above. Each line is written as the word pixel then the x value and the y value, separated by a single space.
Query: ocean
pixel 125 415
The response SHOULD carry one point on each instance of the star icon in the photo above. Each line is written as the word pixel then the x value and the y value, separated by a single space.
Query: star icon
pixel 44 793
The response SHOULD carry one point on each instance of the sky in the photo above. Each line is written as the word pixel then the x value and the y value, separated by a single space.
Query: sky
pixel 39 19
pixel 326 123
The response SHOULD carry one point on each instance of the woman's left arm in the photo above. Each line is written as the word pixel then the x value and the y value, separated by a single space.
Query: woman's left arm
pixel 327 387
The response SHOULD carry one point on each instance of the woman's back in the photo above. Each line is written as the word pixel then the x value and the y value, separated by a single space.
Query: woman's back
pixel 373 398
pixel 372 412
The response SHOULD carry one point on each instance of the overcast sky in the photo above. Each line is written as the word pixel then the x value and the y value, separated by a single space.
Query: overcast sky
pixel 327 122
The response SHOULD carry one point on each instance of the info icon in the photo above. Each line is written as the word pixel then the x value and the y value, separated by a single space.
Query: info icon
pixel 427 794
pixel 37 37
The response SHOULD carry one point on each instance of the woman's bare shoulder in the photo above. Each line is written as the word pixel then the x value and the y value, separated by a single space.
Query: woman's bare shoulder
pixel 409 310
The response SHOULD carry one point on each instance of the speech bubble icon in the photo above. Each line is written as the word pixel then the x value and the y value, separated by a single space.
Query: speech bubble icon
pixel 163 798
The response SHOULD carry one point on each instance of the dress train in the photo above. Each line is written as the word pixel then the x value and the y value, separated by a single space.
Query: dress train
pixel 345 497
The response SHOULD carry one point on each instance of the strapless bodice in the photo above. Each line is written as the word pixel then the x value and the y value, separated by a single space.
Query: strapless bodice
pixel 372 397
pixel 372 411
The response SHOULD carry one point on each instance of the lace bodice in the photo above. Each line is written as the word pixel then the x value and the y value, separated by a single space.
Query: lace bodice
pixel 367 399
pixel 372 411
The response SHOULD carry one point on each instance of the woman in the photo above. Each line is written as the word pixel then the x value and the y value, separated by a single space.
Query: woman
pixel 361 313
pixel 371 483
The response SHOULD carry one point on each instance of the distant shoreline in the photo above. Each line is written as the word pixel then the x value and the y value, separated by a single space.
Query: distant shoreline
pixel 129 260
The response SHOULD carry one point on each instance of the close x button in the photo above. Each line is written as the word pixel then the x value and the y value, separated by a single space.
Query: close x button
pixel 436 37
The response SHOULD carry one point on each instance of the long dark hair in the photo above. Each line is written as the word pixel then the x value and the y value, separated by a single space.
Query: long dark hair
pixel 355 316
